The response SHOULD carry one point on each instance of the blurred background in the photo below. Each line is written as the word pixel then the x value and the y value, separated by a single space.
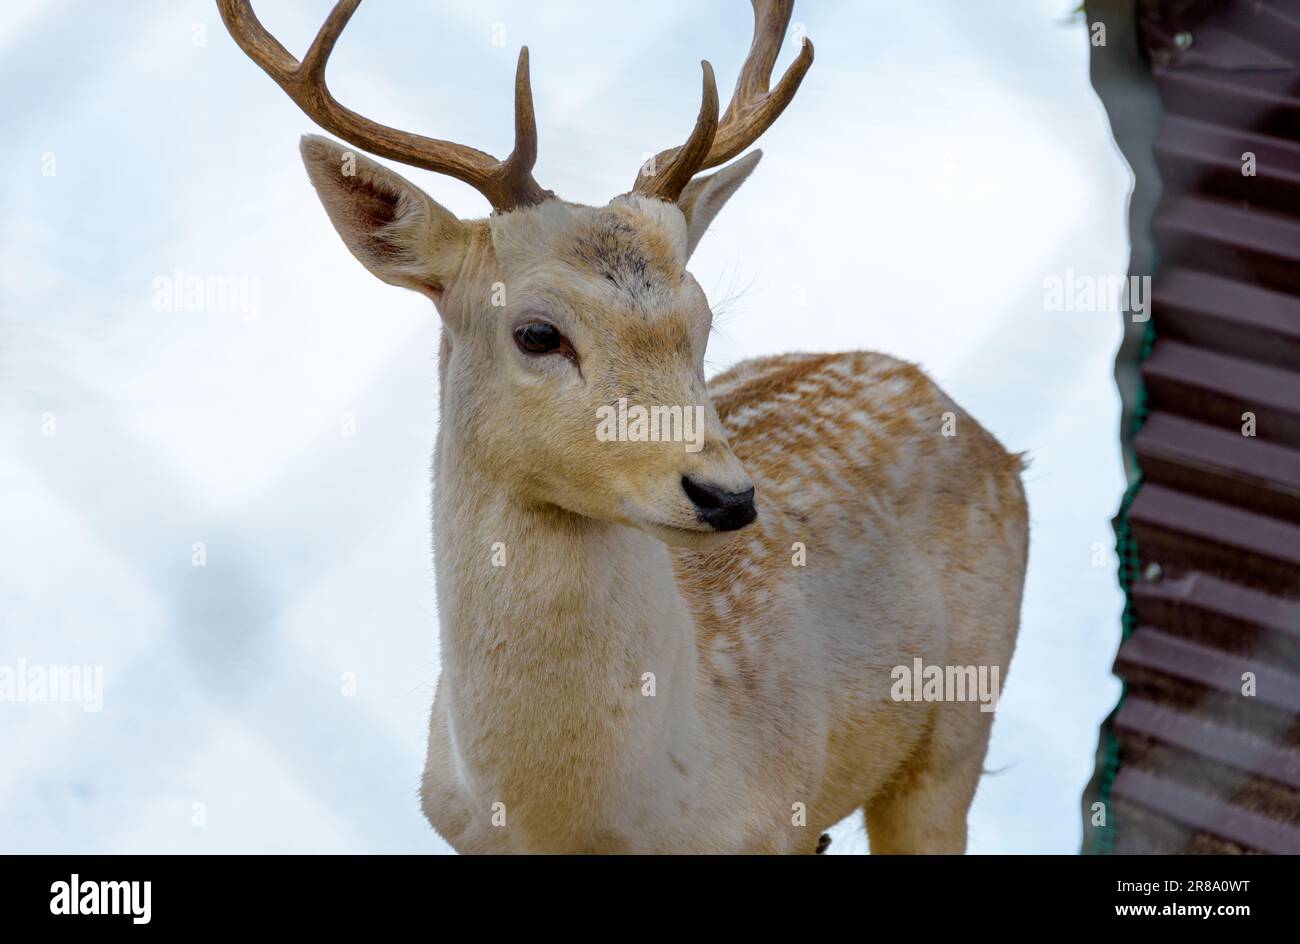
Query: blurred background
pixel 942 163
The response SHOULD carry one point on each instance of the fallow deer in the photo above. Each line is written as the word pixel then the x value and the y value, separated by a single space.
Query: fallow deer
pixel 685 650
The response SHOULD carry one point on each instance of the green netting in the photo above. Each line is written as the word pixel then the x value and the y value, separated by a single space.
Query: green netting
pixel 1129 573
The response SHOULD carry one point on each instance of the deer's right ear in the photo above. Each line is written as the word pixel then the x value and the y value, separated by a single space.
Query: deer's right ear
pixel 392 226
pixel 704 196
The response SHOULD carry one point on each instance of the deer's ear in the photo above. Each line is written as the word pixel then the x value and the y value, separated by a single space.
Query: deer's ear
pixel 704 196
pixel 392 226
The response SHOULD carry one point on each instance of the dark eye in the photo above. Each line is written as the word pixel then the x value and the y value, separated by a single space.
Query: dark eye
pixel 539 338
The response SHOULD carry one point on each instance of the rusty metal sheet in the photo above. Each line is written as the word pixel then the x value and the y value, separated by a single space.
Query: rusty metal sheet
pixel 1204 749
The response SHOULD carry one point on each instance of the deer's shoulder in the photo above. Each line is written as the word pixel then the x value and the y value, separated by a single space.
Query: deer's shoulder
pixel 847 451
pixel 849 424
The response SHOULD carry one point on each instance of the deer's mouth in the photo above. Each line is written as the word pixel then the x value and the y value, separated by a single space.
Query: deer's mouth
pixel 701 537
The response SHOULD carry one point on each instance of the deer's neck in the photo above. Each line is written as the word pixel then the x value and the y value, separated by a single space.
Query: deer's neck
pixel 555 631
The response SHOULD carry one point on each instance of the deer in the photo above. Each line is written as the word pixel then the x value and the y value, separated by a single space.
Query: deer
pixel 649 648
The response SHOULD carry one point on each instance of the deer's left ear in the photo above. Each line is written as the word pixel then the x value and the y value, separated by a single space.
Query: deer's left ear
pixel 704 196
pixel 394 228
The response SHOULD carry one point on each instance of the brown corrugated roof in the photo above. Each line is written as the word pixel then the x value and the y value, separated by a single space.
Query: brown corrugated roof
pixel 1206 763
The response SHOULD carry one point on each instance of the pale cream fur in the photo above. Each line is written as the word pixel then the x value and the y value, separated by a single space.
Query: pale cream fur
pixel 771 681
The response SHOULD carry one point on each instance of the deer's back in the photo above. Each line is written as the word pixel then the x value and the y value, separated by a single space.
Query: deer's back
pixel 883 508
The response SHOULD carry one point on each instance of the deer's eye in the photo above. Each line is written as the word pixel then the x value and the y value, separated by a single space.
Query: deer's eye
pixel 539 338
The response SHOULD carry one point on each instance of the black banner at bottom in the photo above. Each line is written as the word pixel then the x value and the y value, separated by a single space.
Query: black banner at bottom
pixel 336 893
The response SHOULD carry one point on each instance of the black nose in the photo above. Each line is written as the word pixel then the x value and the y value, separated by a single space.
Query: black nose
pixel 720 509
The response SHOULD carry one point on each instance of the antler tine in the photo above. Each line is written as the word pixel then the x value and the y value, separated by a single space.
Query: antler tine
pixel 312 68
pixel 507 184
pixel 524 155
pixel 753 108
pixel 667 181
pixel 770 23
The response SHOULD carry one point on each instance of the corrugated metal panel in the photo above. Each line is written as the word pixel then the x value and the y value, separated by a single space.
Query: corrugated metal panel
pixel 1214 591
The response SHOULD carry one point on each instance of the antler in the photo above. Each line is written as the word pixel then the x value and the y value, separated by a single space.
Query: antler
pixel 752 110
pixel 507 184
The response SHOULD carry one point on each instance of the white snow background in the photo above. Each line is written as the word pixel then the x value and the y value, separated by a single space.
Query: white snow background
pixel 942 160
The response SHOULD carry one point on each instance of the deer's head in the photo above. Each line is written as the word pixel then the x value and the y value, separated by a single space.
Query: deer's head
pixel 576 335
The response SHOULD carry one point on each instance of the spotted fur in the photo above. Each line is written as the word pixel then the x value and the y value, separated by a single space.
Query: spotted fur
pixel 617 676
